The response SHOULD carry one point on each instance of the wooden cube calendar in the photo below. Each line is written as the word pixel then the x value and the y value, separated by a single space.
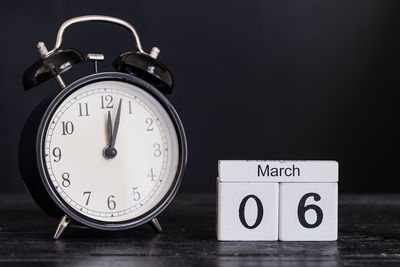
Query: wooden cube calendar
pixel 248 211
pixel 271 200
pixel 308 211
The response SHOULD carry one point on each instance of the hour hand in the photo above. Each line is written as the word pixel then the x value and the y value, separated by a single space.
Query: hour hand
pixel 109 129
pixel 109 151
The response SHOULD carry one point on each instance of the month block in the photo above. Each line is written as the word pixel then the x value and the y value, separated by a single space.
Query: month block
pixel 308 211
pixel 247 211
pixel 285 171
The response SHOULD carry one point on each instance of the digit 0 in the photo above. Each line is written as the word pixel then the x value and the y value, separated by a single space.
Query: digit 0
pixel 260 212
pixel 301 211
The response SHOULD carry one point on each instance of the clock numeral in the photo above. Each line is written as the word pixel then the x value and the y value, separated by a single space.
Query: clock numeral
pixel 149 122
pixel 66 182
pixel 129 107
pixel 88 196
pixel 67 128
pixel 151 174
pixel 136 194
pixel 57 154
pixel 111 203
pixel 106 101
pixel 83 109
pixel 157 151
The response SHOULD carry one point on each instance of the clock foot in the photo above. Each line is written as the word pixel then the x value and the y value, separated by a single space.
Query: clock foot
pixel 155 224
pixel 64 222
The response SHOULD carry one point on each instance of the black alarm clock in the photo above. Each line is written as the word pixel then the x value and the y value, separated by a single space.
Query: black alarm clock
pixel 107 151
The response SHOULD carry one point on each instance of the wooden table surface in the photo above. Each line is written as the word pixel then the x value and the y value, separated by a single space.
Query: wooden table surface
pixel 369 234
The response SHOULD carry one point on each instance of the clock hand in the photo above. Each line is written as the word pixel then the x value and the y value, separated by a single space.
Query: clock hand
pixel 116 124
pixel 110 152
pixel 109 129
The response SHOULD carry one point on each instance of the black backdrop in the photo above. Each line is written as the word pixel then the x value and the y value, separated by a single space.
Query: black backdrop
pixel 254 79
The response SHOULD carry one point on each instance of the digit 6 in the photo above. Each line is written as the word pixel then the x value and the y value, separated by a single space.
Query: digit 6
pixel 301 211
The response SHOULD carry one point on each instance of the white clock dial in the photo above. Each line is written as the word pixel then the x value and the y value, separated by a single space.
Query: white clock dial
pixel 144 169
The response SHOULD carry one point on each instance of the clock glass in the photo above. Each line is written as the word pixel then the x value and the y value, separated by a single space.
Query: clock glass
pixel 118 184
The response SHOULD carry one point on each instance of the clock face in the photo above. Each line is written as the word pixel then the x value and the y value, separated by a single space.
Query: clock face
pixel 76 151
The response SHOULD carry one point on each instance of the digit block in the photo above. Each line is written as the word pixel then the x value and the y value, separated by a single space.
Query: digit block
pixel 308 212
pixel 247 211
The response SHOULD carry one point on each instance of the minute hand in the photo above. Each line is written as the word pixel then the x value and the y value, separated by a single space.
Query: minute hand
pixel 116 125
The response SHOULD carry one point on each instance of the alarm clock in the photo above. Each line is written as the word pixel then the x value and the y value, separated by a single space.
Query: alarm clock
pixel 107 151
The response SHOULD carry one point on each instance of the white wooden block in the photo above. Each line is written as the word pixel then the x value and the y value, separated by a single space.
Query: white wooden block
pixel 247 211
pixel 278 171
pixel 308 211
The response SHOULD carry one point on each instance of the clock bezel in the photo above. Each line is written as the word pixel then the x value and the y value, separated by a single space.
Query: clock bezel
pixel 67 209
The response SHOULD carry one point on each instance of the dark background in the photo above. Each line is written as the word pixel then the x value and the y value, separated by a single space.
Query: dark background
pixel 254 79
